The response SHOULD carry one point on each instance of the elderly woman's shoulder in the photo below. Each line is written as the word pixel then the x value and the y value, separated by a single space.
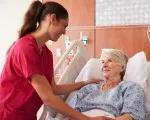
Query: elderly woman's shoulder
pixel 132 85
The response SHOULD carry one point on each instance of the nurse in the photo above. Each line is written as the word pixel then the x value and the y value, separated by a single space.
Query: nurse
pixel 27 79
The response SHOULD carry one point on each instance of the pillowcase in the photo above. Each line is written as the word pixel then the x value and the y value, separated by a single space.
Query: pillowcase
pixel 91 70
pixel 137 70
pixel 148 89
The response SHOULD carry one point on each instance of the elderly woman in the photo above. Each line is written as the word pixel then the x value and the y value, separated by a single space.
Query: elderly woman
pixel 124 100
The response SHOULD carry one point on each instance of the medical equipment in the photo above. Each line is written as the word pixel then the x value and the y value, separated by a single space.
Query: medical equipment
pixel 71 72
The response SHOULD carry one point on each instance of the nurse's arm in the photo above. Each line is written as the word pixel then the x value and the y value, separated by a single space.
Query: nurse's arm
pixel 44 90
pixel 124 117
pixel 67 88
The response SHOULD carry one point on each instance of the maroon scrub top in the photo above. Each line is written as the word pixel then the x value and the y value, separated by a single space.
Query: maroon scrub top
pixel 18 99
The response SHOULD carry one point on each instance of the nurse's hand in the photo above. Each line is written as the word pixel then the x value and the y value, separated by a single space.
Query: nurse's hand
pixel 98 118
pixel 92 81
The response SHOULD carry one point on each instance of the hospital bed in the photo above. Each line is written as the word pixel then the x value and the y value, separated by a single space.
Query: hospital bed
pixel 69 72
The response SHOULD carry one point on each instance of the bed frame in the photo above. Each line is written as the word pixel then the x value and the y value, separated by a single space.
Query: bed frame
pixel 68 72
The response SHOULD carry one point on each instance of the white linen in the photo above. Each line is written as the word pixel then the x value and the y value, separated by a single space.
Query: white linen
pixel 91 70
pixel 90 113
pixel 97 112
pixel 137 70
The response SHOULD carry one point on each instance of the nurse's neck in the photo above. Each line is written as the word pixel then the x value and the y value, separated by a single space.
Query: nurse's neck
pixel 41 38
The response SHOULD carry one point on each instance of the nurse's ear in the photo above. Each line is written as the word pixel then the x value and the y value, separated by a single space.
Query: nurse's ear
pixel 51 18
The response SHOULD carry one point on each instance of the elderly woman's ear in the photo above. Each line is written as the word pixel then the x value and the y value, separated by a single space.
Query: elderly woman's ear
pixel 123 68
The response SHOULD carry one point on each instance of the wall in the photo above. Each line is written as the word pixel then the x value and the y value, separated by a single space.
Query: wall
pixel 10 22
pixel 81 13
pixel 121 14
pixel 130 39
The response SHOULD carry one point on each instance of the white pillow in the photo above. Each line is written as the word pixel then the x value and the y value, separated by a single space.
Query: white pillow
pixel 148 89
pixel 137 70
pixel 91 70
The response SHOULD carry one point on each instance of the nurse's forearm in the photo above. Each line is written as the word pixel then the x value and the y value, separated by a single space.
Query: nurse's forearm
pixel 57 104
pixel 65 89
pixel 124 117
pixel 44 90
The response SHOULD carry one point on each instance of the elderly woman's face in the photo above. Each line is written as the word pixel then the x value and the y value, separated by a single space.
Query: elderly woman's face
pixel 111 68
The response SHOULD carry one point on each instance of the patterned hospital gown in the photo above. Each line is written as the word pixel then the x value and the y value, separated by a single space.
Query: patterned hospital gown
pixel 127 97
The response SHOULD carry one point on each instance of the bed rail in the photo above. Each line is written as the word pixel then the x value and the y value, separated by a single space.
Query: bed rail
pixel 68 74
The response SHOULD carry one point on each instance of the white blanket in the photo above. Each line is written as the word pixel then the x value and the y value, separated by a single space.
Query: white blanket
pixel 91 113
pixel 97 112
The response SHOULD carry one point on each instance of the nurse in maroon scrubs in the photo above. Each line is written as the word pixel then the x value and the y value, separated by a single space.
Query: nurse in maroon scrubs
pixel 26 81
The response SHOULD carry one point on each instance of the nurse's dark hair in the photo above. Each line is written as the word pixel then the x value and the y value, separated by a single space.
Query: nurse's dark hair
pixel 37 12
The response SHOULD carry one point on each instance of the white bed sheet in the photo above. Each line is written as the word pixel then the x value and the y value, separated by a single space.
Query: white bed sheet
pixel 90 113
